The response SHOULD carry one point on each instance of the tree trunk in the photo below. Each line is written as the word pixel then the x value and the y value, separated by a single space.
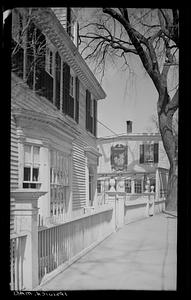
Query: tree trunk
pixel 165 117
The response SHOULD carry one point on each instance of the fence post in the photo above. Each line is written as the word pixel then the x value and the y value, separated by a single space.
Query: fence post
pixel 112 202
pixel 120 211
pixel 26 220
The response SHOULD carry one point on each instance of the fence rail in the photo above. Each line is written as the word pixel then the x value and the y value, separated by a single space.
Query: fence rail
pixel 59 244
pixel 17 251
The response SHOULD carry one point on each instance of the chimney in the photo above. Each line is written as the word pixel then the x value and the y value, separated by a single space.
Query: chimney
pixel 129 126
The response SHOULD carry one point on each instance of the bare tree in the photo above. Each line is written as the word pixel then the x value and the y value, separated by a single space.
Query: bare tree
pixel 153 36
pixel 28 47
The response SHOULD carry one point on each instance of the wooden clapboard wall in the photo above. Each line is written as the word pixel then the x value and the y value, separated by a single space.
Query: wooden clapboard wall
pixel 13 169
pixel 79 180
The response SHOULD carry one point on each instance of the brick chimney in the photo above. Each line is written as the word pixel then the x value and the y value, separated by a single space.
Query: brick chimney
pixel 129 126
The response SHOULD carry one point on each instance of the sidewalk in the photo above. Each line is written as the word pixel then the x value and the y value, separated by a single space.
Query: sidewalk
pixel 140 256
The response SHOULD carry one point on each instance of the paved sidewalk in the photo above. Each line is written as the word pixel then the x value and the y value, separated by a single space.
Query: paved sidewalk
pixel 140 256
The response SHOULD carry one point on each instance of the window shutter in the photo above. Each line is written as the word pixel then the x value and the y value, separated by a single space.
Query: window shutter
pixel 156 152
pixel 95 118
pixel 69 20
pixel 66 88
pixel 87 110
pixel 30 54
pixel 141 159
pixel 77 100
pixel 43 81
pixel 18 57
pixel 58 73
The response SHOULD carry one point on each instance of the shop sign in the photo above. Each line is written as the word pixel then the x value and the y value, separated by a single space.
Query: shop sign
pixel 119 157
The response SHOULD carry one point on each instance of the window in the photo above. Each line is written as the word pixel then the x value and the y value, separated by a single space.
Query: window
pixel 91 113
pixel 128 185
pixel 49 61
pixel 71 85
pixel 91 186
pixel 99 186
pixel 152 184
pixel 31 167
pixel 138 186
pixel 149 153
pixel 59 182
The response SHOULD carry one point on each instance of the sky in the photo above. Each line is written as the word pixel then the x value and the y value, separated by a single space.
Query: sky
pixel 128 98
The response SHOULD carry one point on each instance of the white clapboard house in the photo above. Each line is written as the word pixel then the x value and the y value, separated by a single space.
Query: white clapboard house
pixel 54 98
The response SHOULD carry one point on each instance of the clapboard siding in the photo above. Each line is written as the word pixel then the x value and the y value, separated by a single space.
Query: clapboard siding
pixel 79 182
pixel 13 169
pixel 14 156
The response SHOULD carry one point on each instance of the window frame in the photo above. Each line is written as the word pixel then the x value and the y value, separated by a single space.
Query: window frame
pixel 128 187
pixel 59 181
pixel 148 154
pixel 31 165
pixel 72 85
pixel 138 186
pixel 50 66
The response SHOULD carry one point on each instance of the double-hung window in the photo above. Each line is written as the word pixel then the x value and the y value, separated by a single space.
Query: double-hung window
pixel 91 113
pixel 128 185
pixel 99 186
pixel 31 166
pixel 149 153
pixel 59 182
pixel 138 186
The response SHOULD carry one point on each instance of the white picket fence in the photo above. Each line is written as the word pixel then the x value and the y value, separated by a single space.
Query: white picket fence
pixel 17 252
pixel 62 243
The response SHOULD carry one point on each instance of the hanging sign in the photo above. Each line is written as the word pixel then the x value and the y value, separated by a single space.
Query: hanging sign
pixel 119 157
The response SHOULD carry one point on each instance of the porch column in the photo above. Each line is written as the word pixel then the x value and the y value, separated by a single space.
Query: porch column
pixel 26 220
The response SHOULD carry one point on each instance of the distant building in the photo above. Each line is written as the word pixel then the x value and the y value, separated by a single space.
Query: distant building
pixel 131 159
pixel 54 100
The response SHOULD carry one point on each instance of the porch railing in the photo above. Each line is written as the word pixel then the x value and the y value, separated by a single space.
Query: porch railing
pixel 17 252
pixel 61 243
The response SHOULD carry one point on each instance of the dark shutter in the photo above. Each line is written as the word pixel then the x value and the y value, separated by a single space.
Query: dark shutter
pixel 141 159
pixel 71 107
pixel 66 88
pixel 30 54
pixel 156 152
pixel 88 99
pixel 58 73
pixel 69 20
pixel 95 118
pixel 44 81
pixel 17 59
pixel 17 50
pixel 77 100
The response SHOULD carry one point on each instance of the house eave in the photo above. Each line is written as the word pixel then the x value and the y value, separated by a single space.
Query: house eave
pixel 45 19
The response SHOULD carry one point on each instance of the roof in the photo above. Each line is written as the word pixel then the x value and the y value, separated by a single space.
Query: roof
pixel 130 136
